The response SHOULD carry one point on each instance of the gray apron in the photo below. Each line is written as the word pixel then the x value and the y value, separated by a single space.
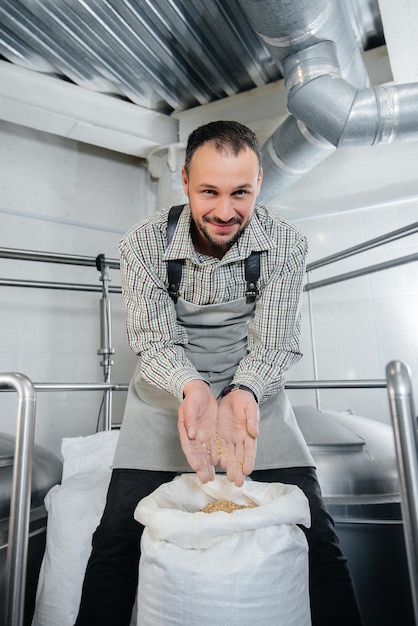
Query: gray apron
pixel 217 340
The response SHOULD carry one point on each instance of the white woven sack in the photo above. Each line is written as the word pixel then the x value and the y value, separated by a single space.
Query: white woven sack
pixel 74 511
pixel 234 569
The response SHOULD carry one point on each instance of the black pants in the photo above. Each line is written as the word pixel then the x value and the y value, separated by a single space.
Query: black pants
pixel 111 578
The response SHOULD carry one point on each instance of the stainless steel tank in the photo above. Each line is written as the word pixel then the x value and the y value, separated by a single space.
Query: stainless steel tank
pixel 46 472
pixel 356 464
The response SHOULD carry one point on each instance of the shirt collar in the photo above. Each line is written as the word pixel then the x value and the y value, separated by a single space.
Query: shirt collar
pixel 255 238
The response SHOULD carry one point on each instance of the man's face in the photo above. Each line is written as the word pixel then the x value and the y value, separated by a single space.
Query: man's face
pixel 222 189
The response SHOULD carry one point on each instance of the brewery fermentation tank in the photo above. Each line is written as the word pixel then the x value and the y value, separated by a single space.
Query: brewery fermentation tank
pixel 46 472
pixel 356 464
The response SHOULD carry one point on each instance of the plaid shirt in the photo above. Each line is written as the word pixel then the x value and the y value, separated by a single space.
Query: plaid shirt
pixel 152 327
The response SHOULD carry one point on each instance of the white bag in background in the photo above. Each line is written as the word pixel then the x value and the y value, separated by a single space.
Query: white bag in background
pixel 74 511
pixel 235 569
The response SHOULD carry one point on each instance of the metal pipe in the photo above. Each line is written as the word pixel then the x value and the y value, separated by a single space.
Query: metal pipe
pixel 39 284
pixel 16 561
pixel 362 272
pixel 328 89
pixel 77 387
pixel 394 235
pixel 52 257
pixel 80 386
pixel 313 346
pixel 337 384
pixel 107 410
pixel 326 102
pixel 105 349
pixel 406 441
pixel 301 384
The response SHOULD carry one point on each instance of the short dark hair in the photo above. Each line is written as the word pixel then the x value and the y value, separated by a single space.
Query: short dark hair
pixel 226 136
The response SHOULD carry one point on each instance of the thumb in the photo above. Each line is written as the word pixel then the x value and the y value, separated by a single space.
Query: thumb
pixel 253 420
pixel 188 424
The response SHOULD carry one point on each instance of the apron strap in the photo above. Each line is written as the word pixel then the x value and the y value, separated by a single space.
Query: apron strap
pixel 175 267
pixel 252 274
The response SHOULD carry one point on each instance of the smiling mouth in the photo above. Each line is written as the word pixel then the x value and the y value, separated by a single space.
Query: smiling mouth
pixel 223 226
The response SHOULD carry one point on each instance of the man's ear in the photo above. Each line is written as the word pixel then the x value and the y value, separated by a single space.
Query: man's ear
pixel 185 181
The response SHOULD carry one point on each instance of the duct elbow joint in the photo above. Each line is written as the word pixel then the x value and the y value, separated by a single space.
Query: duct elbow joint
pixel 345 116
pixel 324 106
pixel 317 93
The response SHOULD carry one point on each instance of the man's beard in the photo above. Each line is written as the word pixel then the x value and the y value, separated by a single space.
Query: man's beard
pixel 219 242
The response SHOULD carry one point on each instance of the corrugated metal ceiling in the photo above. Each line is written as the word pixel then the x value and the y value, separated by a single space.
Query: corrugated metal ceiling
pixel 166 55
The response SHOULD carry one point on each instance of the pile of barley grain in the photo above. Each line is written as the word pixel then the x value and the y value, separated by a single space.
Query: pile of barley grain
pixel 224 505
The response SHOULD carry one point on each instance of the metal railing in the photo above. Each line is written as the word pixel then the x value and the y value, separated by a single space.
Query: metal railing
pixel 53 257
pixel 405 428
pixel 102 264
pixel 394 235
pixel 60 259
pixel 17 549
pixel 364 271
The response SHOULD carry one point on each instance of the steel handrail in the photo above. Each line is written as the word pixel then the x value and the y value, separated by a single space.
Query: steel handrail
pixel 77 387
pixel 364 271
pixel 17 550
pixel 378 383
pixel 370 244
pixel 52 257
pixel 43 284
pixel 16 562
pixel 406 441
pixel 70 259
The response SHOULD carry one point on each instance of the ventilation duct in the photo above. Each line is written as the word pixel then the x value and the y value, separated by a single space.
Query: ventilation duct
pixel 330 101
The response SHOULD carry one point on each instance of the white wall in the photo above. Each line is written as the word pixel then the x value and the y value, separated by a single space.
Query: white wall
pixel 60 196
pixel 360 324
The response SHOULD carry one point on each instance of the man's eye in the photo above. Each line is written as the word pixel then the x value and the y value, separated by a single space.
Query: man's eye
pixel 241 192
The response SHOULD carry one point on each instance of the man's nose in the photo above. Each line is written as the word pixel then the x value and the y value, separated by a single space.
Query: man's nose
pixel 224 209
